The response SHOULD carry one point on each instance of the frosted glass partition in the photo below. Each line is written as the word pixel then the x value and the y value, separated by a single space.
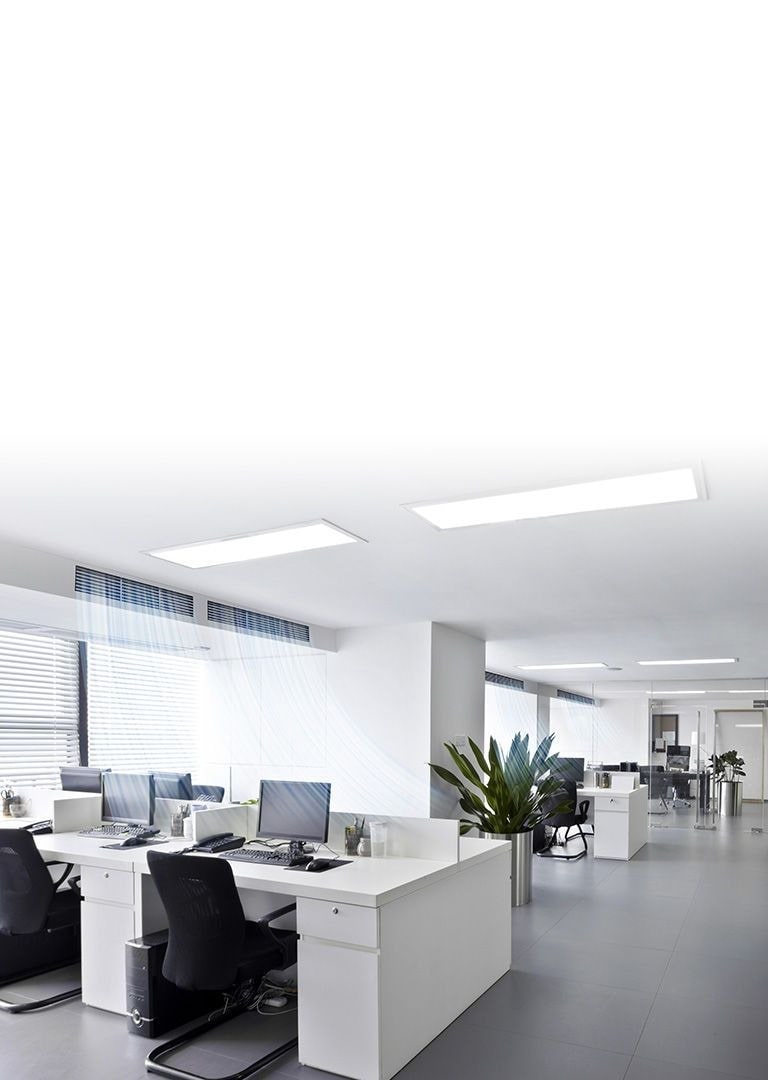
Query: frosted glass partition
pixel 574 725
pixel 507 712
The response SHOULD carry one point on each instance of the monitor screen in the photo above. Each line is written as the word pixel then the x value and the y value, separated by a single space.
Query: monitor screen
pixel 293 810
pixel 81 778
pixel 678 757
pixel 128 798
pixel 173 785
pixel 570 768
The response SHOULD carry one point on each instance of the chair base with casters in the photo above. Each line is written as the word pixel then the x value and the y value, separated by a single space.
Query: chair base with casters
pixel 211 947
pixel 39 923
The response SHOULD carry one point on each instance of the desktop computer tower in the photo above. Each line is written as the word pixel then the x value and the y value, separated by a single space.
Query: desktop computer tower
pixel 155 1005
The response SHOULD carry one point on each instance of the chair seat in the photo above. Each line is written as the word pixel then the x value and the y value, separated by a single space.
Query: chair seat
pixel 259 954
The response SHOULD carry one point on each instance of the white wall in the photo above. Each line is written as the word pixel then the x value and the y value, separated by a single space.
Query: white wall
pixel 622 730
pixel 379 719
pixel 457 704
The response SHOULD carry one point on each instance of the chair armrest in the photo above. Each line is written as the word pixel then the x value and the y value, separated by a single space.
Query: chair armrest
pixel 584 808
pixel 68 868
pixel 265 920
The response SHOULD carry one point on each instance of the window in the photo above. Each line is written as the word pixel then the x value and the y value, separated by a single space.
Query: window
pixel 38 708
pixel 143 709
pixel 574 724
pixel 509 710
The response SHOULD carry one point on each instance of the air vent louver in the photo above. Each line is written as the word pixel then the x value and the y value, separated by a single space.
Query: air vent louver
pixel 579 699
pixel 504 680
pixel 113 589
pixel 253 622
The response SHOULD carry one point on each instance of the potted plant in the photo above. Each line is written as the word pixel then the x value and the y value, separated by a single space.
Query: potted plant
pixel 506 796
pixel 725 768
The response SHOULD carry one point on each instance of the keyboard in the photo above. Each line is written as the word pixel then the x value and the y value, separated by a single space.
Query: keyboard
pixel 266 858
pixel 143 831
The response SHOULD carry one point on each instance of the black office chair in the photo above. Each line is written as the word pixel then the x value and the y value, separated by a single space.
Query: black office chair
pixel 574 817
pixel 584 821
pixel 207 793
pixel 212 947
pixel 39 924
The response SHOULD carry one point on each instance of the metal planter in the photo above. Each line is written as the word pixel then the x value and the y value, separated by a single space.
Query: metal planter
pixel 730 798
pixel 522 863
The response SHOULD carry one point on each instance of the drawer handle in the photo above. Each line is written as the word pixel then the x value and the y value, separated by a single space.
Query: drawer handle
pixel 106 873
pixel 334 911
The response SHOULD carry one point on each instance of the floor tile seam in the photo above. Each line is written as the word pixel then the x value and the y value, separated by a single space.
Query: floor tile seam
pixel 716 1074
pixel 552 1038
pixel 661 980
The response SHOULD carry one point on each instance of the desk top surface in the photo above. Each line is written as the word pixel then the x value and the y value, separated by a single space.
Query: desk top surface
pixel 365 881
pixel 593 792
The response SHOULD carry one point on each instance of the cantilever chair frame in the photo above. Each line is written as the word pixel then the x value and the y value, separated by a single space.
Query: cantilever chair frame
pixel 53 999
pixel 237 999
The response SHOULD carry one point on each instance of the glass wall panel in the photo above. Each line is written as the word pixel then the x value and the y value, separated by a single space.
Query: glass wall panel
pixel 507 712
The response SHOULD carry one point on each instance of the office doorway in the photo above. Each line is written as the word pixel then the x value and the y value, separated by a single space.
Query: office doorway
pixel 744 731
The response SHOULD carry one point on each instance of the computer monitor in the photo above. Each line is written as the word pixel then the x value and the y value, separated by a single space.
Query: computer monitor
pixel 570 768
pixel 128 798
pixel 294 810
pixel 81 778
pixel 173 785
pixel 678 758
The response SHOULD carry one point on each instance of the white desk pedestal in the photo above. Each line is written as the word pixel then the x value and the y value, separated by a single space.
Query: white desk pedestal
pixel 620 819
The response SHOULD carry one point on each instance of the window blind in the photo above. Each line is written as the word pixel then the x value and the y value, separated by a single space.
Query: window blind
pixel 143 709
pixel 38 708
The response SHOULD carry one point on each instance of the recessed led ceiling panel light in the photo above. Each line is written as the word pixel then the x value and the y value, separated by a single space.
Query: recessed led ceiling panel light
pixel 743 691
pixel 262 545
pixel 662 663
pixel 676 485
pixel 671 693
pixel 556 667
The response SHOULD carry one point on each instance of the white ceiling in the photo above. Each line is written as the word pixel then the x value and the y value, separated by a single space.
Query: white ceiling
pixel 615 586
pixel 322 266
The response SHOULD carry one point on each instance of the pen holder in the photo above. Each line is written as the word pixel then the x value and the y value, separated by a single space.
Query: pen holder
pixel 351 839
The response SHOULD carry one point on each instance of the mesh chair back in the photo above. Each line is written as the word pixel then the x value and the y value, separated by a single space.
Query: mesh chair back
pixel 206 924
pixel 566 795
pixel 208 792
pixel 26 887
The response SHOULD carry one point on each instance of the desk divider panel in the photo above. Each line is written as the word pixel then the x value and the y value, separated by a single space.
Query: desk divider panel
pixel 68 810
pixel 219 819
pixel 407 837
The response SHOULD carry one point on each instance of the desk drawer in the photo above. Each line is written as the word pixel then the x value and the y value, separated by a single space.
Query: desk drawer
pixel 100 883
pixel 612 803
pixel 346 923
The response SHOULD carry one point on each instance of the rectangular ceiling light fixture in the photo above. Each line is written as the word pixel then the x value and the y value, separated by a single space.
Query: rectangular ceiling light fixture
pixel 292 538
pixel 744 691
pixel 671 693
pixel 556 667
pixel 676 485
pixel 662 663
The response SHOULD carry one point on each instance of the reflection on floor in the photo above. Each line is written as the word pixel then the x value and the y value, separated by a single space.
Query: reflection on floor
pixel 656 969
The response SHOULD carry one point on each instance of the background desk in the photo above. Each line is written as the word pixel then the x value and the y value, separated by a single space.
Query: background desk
pixel 391 950
pixel 620 820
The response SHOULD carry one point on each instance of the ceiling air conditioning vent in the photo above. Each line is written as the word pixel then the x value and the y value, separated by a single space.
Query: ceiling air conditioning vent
pixel 580 699
pixel 504 680
pixel 254 622
pixel 113 589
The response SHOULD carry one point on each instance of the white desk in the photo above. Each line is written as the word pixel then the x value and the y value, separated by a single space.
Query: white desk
pixel 620 820
pixel 391 950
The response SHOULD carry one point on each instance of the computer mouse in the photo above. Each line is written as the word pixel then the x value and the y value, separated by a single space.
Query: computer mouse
pixel 317 864
pixel 133 841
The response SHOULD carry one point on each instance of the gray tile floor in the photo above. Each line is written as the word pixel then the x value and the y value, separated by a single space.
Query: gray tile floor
pixel 656 969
